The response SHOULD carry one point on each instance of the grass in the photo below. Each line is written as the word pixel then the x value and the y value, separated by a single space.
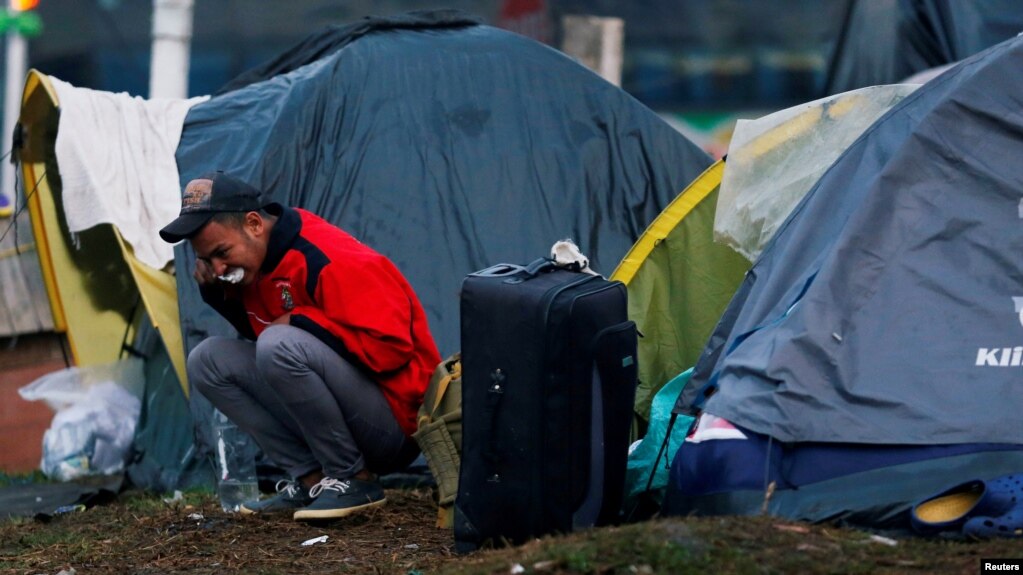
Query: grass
pixel 22 478
pixel 735 545
pixel 144 503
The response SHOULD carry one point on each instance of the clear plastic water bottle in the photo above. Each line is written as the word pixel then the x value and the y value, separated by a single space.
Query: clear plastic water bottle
pixel 235 454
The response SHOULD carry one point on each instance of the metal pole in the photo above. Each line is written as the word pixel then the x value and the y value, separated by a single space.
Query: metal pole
pixel 15 69
pixel 596 43
pixel 172 39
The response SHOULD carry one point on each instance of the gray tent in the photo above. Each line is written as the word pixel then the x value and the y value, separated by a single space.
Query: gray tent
pixel 883 324
pixel 444 144
pixel 886 41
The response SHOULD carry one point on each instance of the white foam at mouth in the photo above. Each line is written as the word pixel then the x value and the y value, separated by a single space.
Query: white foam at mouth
pixel 233 276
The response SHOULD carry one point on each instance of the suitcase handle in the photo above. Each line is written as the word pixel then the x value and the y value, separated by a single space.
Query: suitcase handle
pixel 498 270
pixel 539 266
pixel 532 270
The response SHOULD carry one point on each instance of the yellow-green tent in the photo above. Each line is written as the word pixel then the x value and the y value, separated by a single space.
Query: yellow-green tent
pixel 107 304
pixel 94 287
pixel 679 282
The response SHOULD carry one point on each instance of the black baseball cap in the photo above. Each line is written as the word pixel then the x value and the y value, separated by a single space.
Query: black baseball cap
pixel 207 195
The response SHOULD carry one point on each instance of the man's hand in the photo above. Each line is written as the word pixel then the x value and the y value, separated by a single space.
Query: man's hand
pixel 282 320
pixel 203 273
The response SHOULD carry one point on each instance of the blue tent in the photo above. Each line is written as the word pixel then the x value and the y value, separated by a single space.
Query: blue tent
pixel 873 353
pixel 445 144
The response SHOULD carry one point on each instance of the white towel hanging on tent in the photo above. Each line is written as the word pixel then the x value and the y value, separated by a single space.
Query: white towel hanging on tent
pixel 116 158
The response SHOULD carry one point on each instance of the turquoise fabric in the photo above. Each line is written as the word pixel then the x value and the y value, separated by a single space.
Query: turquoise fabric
pixel 641 459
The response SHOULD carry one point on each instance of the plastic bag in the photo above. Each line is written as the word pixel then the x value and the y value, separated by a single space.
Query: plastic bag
pixel 97 410
pixel 775 160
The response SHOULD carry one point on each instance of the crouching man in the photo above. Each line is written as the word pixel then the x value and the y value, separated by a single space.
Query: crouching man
pixel 337 352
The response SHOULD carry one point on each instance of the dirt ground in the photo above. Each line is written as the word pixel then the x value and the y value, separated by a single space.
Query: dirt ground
pixel 141 534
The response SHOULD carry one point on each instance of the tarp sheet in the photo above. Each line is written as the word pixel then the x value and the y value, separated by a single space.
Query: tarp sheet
pixel 448 149
pixel 43 500
pixel 886 41
pixel 887 307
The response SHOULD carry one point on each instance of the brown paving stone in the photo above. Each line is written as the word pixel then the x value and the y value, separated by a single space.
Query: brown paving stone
pixel 22 423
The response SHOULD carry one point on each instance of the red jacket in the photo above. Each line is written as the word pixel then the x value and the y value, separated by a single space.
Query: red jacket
pixel 348 296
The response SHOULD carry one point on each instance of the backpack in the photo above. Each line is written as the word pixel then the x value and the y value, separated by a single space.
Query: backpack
pixel 439 433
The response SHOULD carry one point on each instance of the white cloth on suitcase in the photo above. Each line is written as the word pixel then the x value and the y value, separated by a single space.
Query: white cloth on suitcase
pixel 567 255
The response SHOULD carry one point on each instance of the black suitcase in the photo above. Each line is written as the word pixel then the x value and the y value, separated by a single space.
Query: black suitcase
pixel 548 383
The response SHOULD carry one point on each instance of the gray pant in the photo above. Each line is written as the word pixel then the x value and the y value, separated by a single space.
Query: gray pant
pixel 306 407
